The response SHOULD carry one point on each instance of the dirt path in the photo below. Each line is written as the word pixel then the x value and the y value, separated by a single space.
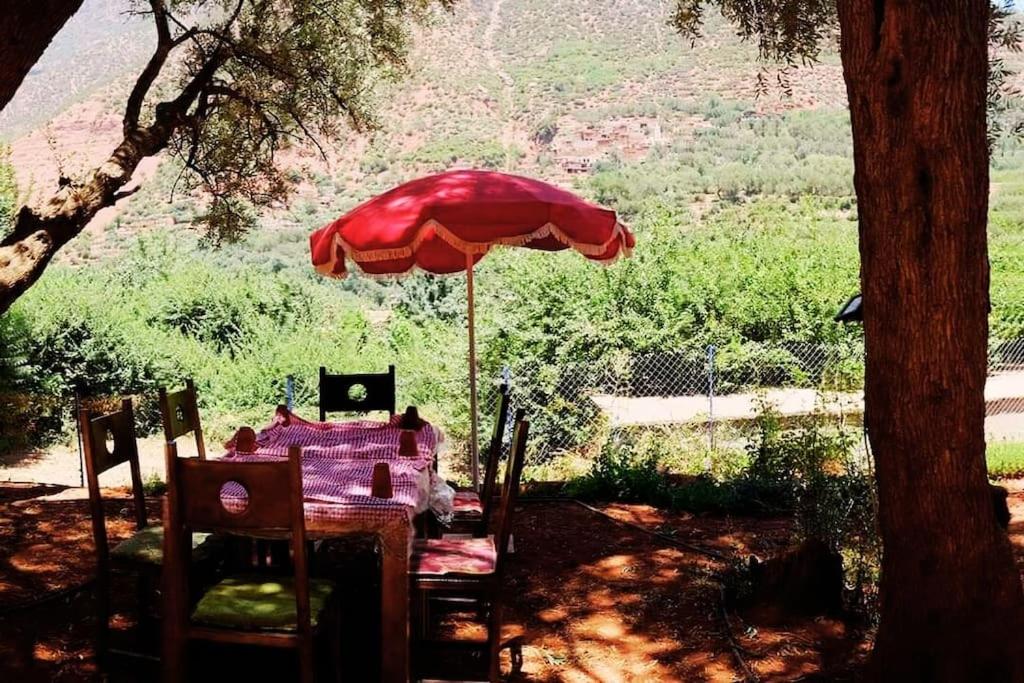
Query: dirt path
pixel 510 130
pixel 1004 399
pixel 60 464
pixel 588 599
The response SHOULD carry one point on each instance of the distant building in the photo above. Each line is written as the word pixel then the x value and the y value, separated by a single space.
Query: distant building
pixel 576 165
pixel 580 145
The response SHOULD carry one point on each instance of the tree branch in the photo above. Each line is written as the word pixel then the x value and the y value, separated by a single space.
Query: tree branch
pixel 39 233
pixel 164 45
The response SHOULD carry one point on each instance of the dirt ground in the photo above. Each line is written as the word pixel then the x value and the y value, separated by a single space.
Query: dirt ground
pixel 589 599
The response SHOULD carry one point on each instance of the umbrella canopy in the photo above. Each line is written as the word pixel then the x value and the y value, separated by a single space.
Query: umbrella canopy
pixel 435 223
pixel 445 223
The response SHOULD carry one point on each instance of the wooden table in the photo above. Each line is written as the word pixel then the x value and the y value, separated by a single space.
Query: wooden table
pixel 337 460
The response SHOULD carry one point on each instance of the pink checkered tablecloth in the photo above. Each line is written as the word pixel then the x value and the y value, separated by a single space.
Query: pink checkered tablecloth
pixel 363 439
pixel 337 467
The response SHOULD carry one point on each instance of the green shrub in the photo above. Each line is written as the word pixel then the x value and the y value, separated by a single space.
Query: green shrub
pixel 791 465
pixel 622 471
pixel 1005 459
pixel 154 486
pixel 8 189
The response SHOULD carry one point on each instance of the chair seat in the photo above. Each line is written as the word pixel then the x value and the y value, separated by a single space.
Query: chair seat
pixel 467 503
pixel 441 556
pixel 259 603
pixel 146 546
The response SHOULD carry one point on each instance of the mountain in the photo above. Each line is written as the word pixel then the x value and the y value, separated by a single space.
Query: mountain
pixel 602 95
pixel 102 42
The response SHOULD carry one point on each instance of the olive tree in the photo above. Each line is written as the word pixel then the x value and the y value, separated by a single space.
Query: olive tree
pixel 229 84
pixel 918 75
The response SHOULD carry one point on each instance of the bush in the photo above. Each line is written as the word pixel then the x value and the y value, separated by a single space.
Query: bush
pixel 624 472
pixel 86 341
pixel 805 467
pixel 811 468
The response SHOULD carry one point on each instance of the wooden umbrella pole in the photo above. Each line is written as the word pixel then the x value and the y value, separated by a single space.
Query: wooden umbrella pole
pixel 473 444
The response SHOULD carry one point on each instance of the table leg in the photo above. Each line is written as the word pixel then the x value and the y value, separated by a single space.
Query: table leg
pixel 394 595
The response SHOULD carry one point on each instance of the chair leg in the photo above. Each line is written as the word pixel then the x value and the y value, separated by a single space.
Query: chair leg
pixel 335 645
pixel 423 615
pixel 494 642
pixel 306 661
pixel 415 614
pixel 144 591
pixel 173 658
pixel 103 620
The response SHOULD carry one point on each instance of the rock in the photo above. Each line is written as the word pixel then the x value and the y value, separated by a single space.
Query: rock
pixel 805 581
pixel 1002 510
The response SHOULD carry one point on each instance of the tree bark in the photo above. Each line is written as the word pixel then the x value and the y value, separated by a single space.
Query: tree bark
pixel 25 32
pixel 952 608
pixel 39 233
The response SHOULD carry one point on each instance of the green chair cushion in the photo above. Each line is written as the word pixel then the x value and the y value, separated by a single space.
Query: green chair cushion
pixel 254 602
pixel 146 546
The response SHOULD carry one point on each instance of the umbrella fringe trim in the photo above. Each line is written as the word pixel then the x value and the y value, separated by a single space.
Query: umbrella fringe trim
pixel 414 269
pixel 470 248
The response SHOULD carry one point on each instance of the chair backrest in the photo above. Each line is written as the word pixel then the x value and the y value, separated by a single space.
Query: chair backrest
pixel 339 393
pixel 510 487
pixel 262 499
pixel 494 457
pixel 117 429
pixel 179 411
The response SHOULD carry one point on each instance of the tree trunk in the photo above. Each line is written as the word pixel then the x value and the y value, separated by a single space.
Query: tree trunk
pixel 952 605
pixel 40 232
pixel 25 32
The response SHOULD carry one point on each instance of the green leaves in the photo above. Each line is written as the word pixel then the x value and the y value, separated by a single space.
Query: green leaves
pixel 263 77
pixel 789 32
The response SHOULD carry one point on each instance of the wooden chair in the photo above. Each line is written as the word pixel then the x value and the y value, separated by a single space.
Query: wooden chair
pixel 254 608
pixel 467 568
pixel 336 392
pixel 142 553
pixel 472 510
pixel 179 412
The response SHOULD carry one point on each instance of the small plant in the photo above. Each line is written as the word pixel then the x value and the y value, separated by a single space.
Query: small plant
pixel 791 465
pixel 636 467
pixel 154 486
pixel 622 471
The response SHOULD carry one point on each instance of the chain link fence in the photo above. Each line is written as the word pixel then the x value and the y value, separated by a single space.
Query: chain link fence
pixel 709 395
pixel 1004 392
pixel 702 401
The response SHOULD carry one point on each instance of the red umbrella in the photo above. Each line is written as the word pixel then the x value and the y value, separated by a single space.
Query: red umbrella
pixel 445 223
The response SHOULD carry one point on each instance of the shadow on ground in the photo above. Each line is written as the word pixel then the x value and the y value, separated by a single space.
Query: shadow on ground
pixel 588 600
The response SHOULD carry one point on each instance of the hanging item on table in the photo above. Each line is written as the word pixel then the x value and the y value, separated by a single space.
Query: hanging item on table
pixel 380 486
pixel 411 419
pixel 407 446
pixel 244 441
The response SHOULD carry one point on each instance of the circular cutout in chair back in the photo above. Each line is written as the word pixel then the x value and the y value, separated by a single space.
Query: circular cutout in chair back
pixel 234 497
pixel 357 393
